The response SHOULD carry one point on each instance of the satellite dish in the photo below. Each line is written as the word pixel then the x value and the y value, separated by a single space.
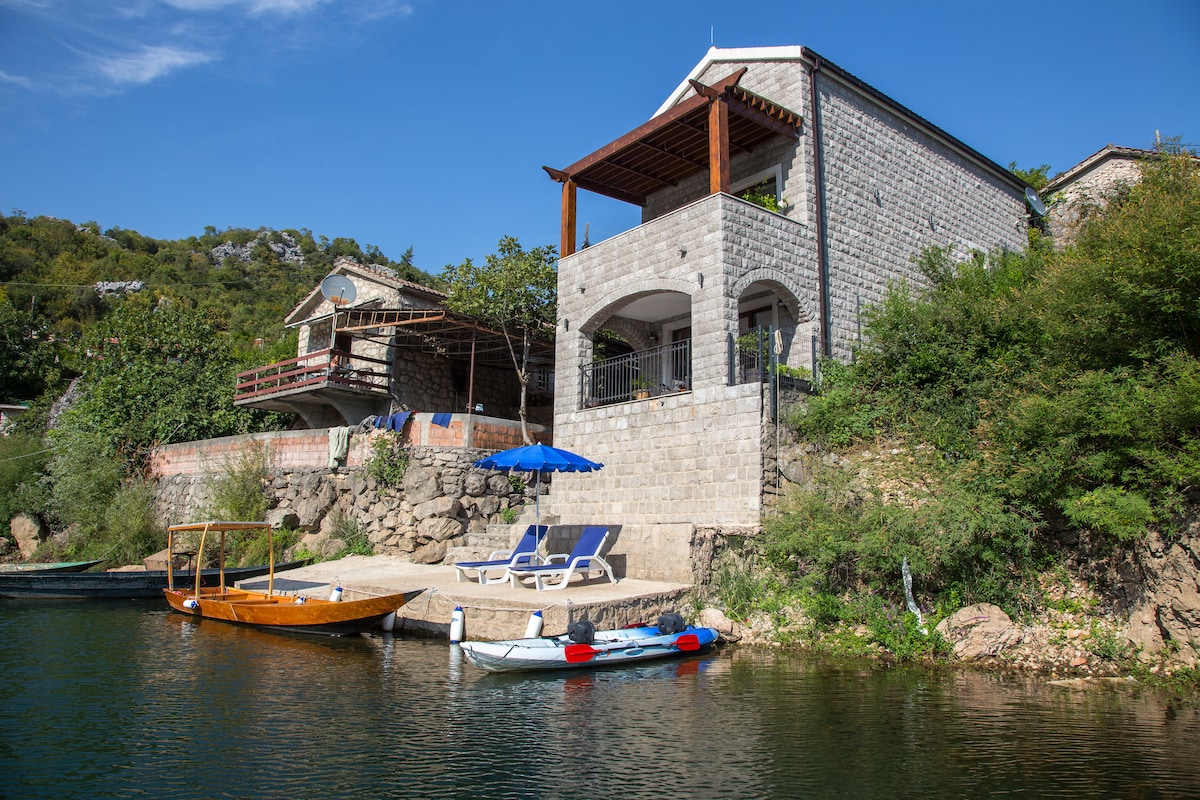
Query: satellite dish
pixel 339 290
pixel 1035 202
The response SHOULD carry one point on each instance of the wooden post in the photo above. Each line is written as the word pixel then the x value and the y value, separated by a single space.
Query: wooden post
pixel 568 218
pixel 718 146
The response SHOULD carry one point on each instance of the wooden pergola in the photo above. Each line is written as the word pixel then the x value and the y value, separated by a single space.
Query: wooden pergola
pixel 699 133
pixel 437 332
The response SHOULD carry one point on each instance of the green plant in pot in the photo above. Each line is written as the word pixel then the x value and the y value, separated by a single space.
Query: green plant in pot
pixel 641 387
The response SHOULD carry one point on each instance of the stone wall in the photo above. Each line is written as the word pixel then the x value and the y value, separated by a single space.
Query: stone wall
pixel 440 503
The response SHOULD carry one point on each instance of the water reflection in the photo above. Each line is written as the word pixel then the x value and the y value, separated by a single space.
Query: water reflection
pixel 128 699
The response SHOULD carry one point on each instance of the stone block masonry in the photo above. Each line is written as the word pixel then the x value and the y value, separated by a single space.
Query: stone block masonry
pixel 441 502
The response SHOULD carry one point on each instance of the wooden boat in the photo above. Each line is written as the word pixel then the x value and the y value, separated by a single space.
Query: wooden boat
pixel 141 584
pixel 607 647
pixel 277 612
pixel 53 566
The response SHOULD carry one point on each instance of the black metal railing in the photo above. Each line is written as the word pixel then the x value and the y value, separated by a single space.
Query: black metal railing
pixel 638 375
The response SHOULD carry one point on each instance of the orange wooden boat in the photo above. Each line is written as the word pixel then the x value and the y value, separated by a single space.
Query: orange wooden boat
pixel 269 610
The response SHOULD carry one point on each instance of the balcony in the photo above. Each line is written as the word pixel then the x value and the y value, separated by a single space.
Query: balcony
pixel 317 386
pixel 638 375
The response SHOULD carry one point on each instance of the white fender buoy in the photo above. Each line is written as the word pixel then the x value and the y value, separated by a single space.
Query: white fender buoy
pixel 534 628
pixel 336 595
pixel 191 603
pixel 456 625
pixel 389 622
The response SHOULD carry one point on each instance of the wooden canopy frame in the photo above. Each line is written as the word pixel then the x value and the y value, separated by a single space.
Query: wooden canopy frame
pixel 436 332
pixel 700 133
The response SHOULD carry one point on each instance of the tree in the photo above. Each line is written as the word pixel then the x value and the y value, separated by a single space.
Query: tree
pixel 514 291
pixel 156 376
pixel 27 362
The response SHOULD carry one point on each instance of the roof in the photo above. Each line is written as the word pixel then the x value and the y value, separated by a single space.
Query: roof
pixel 348 266
pixel 674 143
pixel 1105 153
pixel 437 332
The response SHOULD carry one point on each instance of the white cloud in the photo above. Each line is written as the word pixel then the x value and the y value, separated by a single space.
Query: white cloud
pixel 249 6
pixel 16 80
pixel 149 64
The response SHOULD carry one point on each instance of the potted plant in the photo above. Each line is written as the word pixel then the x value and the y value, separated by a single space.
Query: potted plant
pixel 641 387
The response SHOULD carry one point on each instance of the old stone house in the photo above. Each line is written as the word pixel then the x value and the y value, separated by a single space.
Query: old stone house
pixel 847 187
pixel 1073 196
pixel 370 343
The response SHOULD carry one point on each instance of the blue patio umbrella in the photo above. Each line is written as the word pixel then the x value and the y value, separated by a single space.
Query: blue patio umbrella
pixel 537 458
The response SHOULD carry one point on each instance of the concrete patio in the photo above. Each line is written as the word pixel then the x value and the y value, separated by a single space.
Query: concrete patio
pixel 493 611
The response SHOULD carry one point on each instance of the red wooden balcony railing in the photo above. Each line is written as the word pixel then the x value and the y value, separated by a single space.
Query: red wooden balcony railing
pixel 324 368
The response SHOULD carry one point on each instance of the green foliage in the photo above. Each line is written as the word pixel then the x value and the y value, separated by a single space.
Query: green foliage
pixel 125 532
pixel 23 461
pixel 744 588
pixel 1127 292
pixel 955 539
pixel 509 515
pixel 351 531
pixel 1055 387
pixel 515 292
pixel 761 195
pixel 85 475
pixel 903 636
pixel 1035 177
pixel 27 356
pixel 238 490
pixel 389 458
pixel 156 376
pixel 251 548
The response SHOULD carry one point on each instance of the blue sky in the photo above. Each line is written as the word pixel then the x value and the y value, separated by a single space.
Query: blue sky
pixel 426 123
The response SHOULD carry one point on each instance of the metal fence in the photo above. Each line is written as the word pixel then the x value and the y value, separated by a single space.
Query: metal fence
pixel 638 375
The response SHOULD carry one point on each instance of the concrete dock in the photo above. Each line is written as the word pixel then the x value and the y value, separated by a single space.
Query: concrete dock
pixel 491 611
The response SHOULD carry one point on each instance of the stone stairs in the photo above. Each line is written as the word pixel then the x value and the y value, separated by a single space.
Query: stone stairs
pixel 478 545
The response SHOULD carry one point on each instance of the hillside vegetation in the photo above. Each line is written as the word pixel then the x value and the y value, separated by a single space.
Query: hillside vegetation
pixel 124 342
pixel 1036 411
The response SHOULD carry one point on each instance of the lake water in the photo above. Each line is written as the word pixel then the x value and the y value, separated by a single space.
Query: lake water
pixel 128 700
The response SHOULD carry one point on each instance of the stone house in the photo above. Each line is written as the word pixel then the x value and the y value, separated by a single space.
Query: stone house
pixel 371 343
pixel 654 377
pixel 1072 196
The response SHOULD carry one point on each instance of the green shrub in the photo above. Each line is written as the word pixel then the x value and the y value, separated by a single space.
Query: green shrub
pixel 238 490
pixel 23 461
pixel 389 458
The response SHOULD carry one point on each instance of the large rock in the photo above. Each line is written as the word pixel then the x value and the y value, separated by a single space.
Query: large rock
pixel 979 631
pixel 421 484
pixel 438 507
pixel 1165 589
pixel 29 533
pixel 430 553
pixel 439 529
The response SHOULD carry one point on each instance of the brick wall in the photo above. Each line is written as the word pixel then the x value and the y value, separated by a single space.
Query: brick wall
pixel 310 448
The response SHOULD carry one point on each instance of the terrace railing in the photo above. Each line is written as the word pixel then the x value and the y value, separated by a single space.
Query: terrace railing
pixel 638 375
pixel 323 368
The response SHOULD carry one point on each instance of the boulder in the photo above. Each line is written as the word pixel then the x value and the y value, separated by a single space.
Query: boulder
pixel 29 533
pixel 1165 613
pixel 421 484
pixel 430 553
pixel 438 507
pixel 439 529
pixel 283 518
pixel 475 484
pixel 979 631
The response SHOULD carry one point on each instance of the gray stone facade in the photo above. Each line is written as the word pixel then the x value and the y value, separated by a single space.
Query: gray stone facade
pixel 890 184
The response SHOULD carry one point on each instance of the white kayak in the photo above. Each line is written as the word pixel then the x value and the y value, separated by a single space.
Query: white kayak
pixel 607 647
